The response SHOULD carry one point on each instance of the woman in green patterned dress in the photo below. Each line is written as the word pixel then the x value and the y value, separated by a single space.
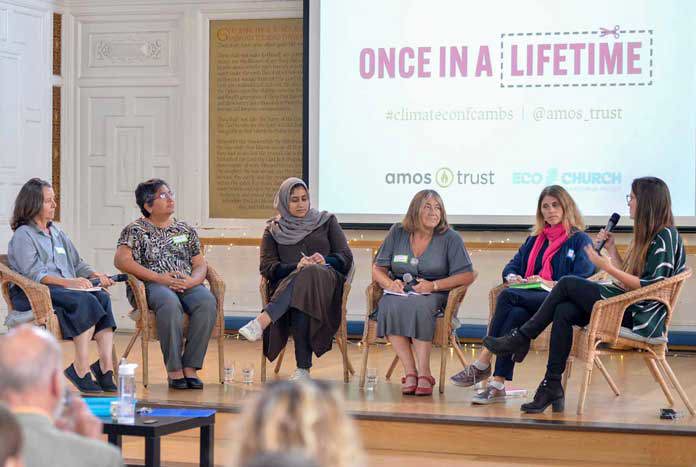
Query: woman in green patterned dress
pixel 656 252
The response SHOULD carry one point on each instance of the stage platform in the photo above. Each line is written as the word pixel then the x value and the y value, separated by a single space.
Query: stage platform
pixel 624 430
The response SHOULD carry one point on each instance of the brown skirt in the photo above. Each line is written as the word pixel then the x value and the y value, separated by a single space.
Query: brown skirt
pixel 318 292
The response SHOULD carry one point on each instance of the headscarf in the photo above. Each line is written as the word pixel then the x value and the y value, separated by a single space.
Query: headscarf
pixel 287 229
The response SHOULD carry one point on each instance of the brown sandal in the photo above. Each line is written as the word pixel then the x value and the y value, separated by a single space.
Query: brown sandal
pixel 409 390
pixel 421 391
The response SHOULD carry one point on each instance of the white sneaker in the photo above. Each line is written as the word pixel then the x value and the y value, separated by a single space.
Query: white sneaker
pixel 252 330
pixel 300 374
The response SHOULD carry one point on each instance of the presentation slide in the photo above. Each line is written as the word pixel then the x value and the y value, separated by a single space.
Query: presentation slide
pixel 489 102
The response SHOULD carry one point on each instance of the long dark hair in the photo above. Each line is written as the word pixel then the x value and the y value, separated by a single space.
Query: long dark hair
pixel 653 213
pixel 29 203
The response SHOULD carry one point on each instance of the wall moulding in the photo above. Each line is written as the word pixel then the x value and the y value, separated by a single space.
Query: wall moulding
pixel 135 49
pixel 124 49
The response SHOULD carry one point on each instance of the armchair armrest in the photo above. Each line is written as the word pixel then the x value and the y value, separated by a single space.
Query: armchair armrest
pixel 607 314
pixel 38 294
pixel 217 285
pixel 374 293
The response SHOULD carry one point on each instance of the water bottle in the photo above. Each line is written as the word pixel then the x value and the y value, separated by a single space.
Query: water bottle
pixel 126 392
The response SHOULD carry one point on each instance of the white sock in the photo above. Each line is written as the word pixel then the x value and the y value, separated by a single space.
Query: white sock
pixel 480 365
pixel 496 384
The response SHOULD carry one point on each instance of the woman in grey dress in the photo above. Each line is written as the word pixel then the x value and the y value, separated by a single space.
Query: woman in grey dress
pixel 424 246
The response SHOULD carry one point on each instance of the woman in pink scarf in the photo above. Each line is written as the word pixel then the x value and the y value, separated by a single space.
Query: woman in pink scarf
pixel 555 249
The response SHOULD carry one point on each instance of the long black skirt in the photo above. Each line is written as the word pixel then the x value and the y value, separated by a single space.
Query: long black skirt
pixel 76 311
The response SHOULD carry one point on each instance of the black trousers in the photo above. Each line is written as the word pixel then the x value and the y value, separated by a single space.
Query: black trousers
pixel 569 303
pixel 299 326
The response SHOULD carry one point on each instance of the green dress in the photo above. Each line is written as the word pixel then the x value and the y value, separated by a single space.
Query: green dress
pixel 665 258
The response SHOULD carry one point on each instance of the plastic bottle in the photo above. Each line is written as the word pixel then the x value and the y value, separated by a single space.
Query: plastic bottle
pixel 126 392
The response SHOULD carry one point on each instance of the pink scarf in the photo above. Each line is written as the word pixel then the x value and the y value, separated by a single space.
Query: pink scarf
pixel 557 236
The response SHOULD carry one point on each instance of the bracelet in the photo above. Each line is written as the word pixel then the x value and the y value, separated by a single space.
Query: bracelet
pixel 435 287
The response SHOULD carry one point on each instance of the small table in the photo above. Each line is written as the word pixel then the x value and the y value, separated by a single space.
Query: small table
pixel 153 431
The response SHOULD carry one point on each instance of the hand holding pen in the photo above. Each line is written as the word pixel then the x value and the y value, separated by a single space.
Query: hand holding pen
pixel 316 258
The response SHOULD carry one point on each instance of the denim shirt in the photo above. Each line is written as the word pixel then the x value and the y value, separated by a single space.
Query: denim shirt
pixel 36 254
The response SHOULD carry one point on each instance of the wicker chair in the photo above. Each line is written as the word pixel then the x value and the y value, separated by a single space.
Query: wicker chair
pixel 605 328
pixel 444 334
pixel 341 335
pixel 146 323
pixel 41 313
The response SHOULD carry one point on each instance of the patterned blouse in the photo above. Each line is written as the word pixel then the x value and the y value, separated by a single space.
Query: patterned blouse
pixel 665 258
pixel 159 249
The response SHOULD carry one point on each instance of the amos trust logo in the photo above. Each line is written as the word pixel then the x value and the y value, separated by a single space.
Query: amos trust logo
pixel 443 177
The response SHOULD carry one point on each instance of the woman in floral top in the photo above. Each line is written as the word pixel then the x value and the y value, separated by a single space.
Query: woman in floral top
pixel 165 253
pixel 656 252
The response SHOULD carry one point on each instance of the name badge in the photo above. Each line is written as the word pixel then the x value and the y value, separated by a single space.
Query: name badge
pixel 183 238
pixel 571 253
pixel 60 250
pixel 401 258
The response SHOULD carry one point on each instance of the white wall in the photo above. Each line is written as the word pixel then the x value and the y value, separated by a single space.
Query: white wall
pixel 26 29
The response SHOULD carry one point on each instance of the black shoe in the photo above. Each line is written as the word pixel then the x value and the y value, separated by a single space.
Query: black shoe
pixel 194 383
pixel 84 384
pixel 515 344
pixel 104 380
pixel 178 383
pixel 549 392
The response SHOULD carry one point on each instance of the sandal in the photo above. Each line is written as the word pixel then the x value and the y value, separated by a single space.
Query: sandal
pixel 409 390
pixel 421 391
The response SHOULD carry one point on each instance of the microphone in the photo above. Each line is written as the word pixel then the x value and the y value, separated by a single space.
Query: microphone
pixel 613 220
pixel 115 278
pixel 408 282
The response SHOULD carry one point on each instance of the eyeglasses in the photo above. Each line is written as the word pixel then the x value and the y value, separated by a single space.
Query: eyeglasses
pixel 629 198
pixel 166 195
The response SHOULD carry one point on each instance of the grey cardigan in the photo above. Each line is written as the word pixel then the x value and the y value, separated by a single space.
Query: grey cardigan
pixel 35 254
pixel 46 445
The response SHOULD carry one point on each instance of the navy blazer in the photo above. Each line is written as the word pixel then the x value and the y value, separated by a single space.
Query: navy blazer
pixel 569 260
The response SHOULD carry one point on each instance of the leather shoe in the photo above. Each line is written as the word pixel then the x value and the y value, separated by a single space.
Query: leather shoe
pixel 515 344
pixel 194 383
pixel 84 384
pixel 178 383
pixel 549 392
pixel 104 380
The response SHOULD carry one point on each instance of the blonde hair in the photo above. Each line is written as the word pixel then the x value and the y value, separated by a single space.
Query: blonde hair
pixel 306 417
pixel 412 220
pixel 572 218
pixel 653 213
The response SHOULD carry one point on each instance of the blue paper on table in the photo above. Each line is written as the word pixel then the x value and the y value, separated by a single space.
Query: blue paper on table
pixel 189 413
pixel 100 406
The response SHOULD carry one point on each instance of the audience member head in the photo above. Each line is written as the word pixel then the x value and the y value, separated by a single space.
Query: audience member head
pixel 556 206
pixel 650 206
pixel 306 417
pixel 35 202
pixel 426 213
pixel 281 459
pixel 155 197
pixel 10 439
pixel 30 362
